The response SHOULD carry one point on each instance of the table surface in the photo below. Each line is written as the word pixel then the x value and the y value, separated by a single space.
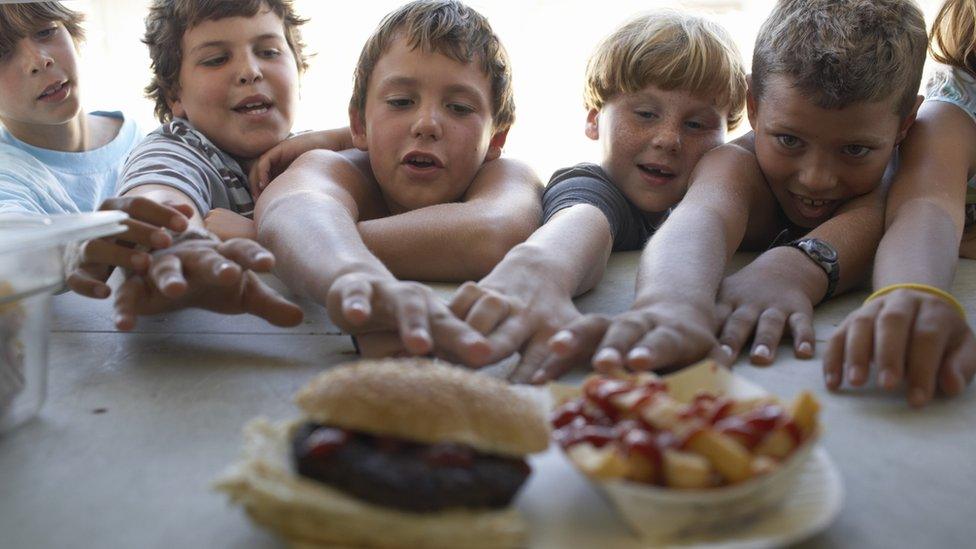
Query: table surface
pixel 137 425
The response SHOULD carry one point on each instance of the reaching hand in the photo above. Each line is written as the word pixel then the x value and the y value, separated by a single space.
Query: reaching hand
pixel 205 273
pixel 145 229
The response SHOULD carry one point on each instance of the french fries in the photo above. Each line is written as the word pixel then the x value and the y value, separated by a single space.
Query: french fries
pixel 709 442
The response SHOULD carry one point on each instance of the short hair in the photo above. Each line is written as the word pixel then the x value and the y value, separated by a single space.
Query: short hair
pixel 671 50
pixel 839 53
pixel 953 39
pixel 452 29
pixel 20 20
pixel 168 21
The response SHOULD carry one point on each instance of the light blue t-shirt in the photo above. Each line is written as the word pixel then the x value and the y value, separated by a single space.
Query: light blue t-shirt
pixel 42 181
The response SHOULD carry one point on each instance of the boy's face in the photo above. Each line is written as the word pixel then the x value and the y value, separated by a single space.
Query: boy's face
pixel 652 140
pixel 238 83
pixel 39 80
pixel 816 159
pixel 427 126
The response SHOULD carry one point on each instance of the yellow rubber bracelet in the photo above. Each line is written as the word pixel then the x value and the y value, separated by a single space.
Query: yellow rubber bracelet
pixel 932 290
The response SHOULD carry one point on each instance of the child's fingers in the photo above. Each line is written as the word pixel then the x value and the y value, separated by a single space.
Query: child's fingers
pixel 926 351
pixel 464 298
pixel 508 338
pixel 769 332
pixel 355 298
pixel 959 365
pixel 623 333
pixel 211 268
pixel 858 347
pixel 722 312
pixel 892 332
pixel 154 213
pixel 144 234
pixel 127 299
pixel 738 327
pixel 661 347
pixel 410 307
pixel 586 335
pixel 455 338
pixel 804 336
pixel 488 312
pixel 534 354
pixel 260 300
pixel 833 360
pixel 248 254
pixel 105 252
pixel 84 283
pixel 166 274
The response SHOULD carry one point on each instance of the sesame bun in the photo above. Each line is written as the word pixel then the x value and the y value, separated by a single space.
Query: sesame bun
pixel 310 514
pixel 429 402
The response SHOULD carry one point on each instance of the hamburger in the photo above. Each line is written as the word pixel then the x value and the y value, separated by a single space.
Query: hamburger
pixel 393 453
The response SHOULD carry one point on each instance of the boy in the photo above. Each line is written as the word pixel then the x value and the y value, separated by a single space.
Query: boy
pixel 661 91
pixel 225 86
pixel 834 89
pixel 431 107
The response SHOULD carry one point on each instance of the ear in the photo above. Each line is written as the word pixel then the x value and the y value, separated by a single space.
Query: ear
pixel 752 106
pixel 496 145
pixel 357 126
pixel 906 124
pixel 593 124
pixel 176 106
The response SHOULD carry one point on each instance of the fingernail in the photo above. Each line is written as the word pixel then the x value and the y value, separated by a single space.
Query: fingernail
pixel 831 379
pixel 159 239
pixel 102 292
pixel 139 261
pixel 727 350
pixel 263 256
pixel 886 379
pixel 805 348
pixel 916 396
pixel 223 267
pixel 853 374
pixel 639 353
pixel 607 355
pixel 177 223
pixel 761 351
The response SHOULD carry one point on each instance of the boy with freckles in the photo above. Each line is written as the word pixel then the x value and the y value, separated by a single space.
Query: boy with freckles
pixel 661 91
pixel 429 199
pixel 833 90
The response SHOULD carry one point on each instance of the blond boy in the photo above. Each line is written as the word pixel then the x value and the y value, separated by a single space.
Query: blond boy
pixel 431 108
pixel 661 91
pixel 834 89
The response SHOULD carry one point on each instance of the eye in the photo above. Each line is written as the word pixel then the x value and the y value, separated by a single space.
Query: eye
pixel 856 151
pixel 789 141
pixel 46 33
pixel 270 53
pixel 399 102
pixel 459 108
pixel 695 125
pixel 645 114
pixel 215 61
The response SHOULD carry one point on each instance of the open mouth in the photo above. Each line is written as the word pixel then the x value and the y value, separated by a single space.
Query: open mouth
pixel 657 171
pixel 254 105
pixel 422 161
pixel 52 89
pixel 813 208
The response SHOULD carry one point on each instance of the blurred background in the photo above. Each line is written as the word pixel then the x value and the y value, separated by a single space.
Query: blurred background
pixel 549 42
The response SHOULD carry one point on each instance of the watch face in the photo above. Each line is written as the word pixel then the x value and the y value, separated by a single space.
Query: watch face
pixel 824 250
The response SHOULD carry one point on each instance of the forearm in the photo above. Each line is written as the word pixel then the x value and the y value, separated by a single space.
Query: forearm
pixel 686 259
pixel 569 252
pixel 921 246
pixel 854 233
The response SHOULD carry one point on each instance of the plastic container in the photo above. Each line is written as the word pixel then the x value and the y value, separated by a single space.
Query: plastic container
pixel 665 516
pixel 32 266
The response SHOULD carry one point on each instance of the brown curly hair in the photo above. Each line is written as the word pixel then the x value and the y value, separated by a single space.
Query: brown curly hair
pixel 168 20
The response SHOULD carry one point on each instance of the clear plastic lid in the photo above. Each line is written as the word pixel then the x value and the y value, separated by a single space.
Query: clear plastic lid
pixel 19 232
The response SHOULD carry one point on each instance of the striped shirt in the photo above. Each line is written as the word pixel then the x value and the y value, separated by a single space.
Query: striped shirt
pixel 179 156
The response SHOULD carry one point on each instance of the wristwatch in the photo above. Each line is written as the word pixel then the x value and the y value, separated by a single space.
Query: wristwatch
pixel 825 256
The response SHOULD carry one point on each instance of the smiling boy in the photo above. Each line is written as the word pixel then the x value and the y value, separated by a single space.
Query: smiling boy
pixel 431 108
pixel 661 91
pixel 833 90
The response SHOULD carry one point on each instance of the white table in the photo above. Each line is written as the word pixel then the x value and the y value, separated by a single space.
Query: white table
pixel 136 425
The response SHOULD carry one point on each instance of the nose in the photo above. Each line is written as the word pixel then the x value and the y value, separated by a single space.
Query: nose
pixel 249 70
pixel 817 174
pixel 427 125
pixel 667 136
pixel 37 57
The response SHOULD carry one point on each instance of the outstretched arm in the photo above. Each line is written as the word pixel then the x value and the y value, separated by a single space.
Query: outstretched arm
pixel 461 240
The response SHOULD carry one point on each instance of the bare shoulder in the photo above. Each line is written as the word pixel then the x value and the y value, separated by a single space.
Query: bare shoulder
pixel 504 176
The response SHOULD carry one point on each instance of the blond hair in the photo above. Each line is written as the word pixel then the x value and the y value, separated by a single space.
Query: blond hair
pixel 450 28
pixel 839 53
pixel 670 50
pixel 168 21
pixel 20 20
pixel 953 39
